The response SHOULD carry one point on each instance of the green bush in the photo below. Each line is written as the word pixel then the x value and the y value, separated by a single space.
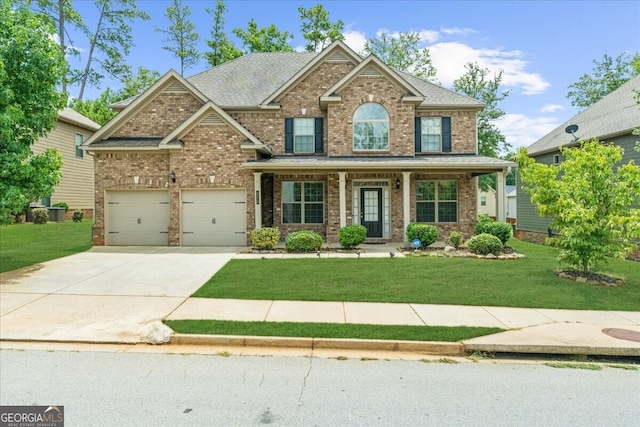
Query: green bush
pixel 502 230
pixel 426 233
pixel 484 244
pixel 78 215
pixel 303 241
pixel 455 239
pixel 64 205
pixel 265 238
pixel 352 235
pixel 40 215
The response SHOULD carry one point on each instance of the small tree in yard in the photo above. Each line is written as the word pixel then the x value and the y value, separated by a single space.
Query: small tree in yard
pixel 590 200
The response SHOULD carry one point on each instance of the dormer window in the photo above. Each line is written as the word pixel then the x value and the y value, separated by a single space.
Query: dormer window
pixel 371 128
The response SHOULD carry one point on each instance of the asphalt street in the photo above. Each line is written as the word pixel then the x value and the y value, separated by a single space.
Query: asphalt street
pixel 140 389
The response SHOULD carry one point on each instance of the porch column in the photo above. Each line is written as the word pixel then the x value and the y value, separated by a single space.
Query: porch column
pixel 500 197
pixel 342 185
pixel 406 204
pixel 257 186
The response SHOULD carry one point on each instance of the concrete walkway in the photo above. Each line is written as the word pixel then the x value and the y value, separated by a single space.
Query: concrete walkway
pixel 120 295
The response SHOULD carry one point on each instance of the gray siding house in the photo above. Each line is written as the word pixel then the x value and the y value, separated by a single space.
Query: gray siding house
pixel 611 120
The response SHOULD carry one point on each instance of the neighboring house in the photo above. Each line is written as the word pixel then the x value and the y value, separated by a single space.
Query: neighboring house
pixel 512 204
pixel 611 120
pixel 297 141
pixel 76 184
pixel 487 202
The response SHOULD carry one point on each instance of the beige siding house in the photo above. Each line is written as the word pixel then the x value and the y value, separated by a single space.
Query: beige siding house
pixel 76 183
pixel 297 141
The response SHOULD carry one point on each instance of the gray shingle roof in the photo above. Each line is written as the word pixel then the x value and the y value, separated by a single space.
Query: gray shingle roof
pixel 71 116
pixel 615 114
pixel 250 79
pixel 439 96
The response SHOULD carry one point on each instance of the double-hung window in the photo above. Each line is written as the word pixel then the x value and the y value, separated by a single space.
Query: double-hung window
pixel 371 128
pixel 303 135
pixel 431 133
pixel 302 202
pixel 437 201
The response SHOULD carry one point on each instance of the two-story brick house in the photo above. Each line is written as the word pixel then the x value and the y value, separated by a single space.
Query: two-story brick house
pixel 296 141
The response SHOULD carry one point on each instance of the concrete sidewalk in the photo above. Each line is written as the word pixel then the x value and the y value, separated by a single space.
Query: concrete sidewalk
pixel 121 295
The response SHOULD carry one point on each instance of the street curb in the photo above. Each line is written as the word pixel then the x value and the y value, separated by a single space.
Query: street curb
pixel 426 347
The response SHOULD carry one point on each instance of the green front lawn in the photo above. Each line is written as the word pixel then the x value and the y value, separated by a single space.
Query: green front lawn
pixel 26 244
pixel 329 330
pixel 529 282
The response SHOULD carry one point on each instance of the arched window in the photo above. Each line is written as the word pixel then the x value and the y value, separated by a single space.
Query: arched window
pixel 371 128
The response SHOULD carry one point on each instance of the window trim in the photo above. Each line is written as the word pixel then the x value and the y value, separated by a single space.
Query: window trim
pixel 436 200
pixel 79 151
pixel 312 135
pixel 302 202
pixel 423 134
pixel 384 121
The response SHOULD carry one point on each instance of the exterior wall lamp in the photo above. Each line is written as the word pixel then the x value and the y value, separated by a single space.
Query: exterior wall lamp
pixel 172 175
pixel 397 183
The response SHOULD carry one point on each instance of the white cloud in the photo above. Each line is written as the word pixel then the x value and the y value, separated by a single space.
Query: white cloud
pixel 522 131
pixel 457 31
pixel 355 40
pixel 551 108
pixel 449 58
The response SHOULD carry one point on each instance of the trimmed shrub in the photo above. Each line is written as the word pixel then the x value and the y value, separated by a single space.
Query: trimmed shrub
pixel 352 235
pixel 40 215
pixel 455 239
pixel 303 241
pixel 78 215
pixel 64 205
pixel 265 238
pixel 502 230
pixel 426 233
pixel 484 244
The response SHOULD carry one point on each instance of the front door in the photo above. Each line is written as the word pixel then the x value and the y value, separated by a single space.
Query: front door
pixel 371 211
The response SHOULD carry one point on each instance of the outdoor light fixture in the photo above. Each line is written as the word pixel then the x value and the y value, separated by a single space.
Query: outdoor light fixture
pixel 173 176
pixel 397 183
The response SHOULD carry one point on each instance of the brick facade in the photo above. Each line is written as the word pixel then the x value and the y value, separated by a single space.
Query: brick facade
pixel 216 149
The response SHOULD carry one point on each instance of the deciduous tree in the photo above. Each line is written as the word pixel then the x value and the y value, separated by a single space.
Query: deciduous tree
pixel 265 39
pixel 590 197
pixel 317 29
pixel 607 75
pixel 31 66
pixel 181 35
pixel 401 52
pixel 222 49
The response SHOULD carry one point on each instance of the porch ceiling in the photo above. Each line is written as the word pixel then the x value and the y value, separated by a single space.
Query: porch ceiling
pixel 437 163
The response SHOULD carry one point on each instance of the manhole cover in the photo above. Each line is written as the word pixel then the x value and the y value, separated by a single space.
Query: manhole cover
pixel 622 334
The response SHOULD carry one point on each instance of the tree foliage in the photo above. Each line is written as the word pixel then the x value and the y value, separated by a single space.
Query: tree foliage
pixel 181 36
pixel 265 39
pixel 98 109
pixel 222 49
pixel 590 200
pixel 402 53
pixel 31 66
pixel 317 29
pixel 110 41
pixel 607 75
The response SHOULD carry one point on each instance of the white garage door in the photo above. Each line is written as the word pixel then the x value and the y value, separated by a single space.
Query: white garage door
pixel 137 218
pixel 213 218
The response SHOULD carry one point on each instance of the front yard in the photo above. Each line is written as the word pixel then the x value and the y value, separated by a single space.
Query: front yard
pixel 529 282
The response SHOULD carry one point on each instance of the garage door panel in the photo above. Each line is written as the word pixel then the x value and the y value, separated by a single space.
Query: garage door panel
pixel 137 218
pixel 213 218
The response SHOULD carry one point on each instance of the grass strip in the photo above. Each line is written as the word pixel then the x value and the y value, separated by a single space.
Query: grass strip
pixel 25 244
pixel 329 330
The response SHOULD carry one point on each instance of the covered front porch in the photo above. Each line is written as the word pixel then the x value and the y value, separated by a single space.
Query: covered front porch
pixel 384 195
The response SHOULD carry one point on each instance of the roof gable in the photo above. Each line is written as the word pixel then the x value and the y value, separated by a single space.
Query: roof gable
pixel 71 116
pixel 616 114
pixel 372 66
pixel 171 82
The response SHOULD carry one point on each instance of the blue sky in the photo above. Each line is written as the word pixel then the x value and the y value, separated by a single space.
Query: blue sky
pixel 541 46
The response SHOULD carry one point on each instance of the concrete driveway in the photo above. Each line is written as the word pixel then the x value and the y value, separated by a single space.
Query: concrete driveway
pixel 107 294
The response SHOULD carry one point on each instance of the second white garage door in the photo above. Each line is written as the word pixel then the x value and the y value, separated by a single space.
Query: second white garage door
pixel 213 218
